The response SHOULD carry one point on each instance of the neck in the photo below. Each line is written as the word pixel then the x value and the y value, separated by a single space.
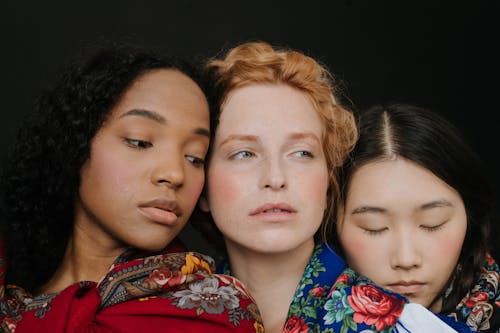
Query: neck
pixel 271 278
pixel 88 257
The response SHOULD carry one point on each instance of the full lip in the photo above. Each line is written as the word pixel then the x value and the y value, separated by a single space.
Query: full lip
pixel 405 287
pixel 162 210
pixel 274 211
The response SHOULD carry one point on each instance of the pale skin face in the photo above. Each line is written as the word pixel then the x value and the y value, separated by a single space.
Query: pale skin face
pixel 403 228
pixel 145 171
pixel 267 177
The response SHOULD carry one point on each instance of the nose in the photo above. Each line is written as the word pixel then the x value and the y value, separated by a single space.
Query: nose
pixel 406 253
pixel 273 175
pixel 169 171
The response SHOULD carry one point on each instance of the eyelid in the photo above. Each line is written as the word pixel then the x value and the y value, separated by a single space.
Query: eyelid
pixel 308 153
pixel 137 143
pixel 195 161
pixel 234 156
pixel 436 227
pixel 375 231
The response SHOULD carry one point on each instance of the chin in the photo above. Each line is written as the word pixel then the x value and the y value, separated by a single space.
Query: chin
pixel 151 244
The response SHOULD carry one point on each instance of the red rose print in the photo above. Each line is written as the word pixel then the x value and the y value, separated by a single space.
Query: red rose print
pixel 477 297
pixel 295 324
pixel 317 292
pixel 343 278
pixel 164 276
pixel 374 307
pixel 176 279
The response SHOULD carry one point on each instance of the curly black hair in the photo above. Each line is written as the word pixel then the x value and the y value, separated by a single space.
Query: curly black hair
pixel 41 181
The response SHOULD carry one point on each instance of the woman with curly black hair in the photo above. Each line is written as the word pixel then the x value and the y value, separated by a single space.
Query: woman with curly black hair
pixel 104 175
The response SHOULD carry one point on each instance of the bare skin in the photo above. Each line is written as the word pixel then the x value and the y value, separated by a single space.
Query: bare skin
pixel 272 292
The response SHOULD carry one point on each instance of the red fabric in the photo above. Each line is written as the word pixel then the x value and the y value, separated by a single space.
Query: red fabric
pixel 75 310
pixel 171 292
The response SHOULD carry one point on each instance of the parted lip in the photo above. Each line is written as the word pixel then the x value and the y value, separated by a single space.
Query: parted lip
pixel 269 207
pixel 164 204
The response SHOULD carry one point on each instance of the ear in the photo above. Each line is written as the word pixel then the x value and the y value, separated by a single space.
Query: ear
pixel 203 204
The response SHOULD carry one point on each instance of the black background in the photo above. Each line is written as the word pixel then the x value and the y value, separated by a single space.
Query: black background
pixel 437 54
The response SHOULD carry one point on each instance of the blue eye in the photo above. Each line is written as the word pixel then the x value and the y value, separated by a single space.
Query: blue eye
pixel 303 154
pixel 196 161
pixel 138 144
pixel 242 155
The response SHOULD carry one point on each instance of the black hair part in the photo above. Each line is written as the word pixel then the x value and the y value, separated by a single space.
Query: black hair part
pixel 427 139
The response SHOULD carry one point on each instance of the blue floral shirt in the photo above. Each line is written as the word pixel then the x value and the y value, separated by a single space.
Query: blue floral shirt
pixel 331 298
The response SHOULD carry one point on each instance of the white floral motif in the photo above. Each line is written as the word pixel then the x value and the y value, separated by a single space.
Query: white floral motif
pixel 207 295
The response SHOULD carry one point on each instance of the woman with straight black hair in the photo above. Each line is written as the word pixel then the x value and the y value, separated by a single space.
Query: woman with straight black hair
pixel 415 213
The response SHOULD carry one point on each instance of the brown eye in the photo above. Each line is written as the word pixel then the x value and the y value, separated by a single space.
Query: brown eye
pixel 138 144
pixel 196 161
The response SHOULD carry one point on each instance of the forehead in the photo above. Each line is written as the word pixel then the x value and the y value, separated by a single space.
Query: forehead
pixel 164 90
pixel 392 182
pixel 263 106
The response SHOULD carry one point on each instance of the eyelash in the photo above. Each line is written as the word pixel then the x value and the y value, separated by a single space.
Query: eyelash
pixel 306 154
pixel 427 228
pixel 237 155
pixel 434 227
pixel 374 232
pixel 141 144
pixel 137 144
pixel 195 161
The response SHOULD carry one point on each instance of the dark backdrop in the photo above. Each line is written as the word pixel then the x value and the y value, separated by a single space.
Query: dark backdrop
pixel 439 55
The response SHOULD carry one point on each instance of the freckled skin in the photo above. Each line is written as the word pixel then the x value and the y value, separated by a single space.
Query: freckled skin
pixel 275 172
pixel 119 176
pixel 413 243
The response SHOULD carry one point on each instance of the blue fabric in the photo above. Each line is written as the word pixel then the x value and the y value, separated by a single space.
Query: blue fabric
pixel 458 326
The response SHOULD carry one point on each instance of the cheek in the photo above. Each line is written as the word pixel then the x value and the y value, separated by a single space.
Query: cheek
pixel 362 254
pixel 446 250
pixel 224 187
pixel 314 186
pixel 103 171
pixel 194 188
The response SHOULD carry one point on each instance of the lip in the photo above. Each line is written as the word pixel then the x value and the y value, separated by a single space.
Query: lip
pixel 406 287
pixel 161 210
pixel 274 212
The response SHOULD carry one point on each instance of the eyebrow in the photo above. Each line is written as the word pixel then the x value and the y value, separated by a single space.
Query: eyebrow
pixel 145 114
pixel 436 203
pixel 155 116
pixel 239 137
pixel 304 135
pixel 368 209
pixel 380 210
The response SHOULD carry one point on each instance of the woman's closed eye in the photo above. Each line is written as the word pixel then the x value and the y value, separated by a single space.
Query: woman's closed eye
pixel 375 232
pixel 433 227
pixel 137 144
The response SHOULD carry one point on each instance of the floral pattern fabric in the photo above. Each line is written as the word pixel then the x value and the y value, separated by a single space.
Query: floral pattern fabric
pixel 332 298
pixel 171 292
pixel 480 308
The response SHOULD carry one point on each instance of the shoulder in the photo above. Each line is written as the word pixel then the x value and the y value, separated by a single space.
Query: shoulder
pixel 165 290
